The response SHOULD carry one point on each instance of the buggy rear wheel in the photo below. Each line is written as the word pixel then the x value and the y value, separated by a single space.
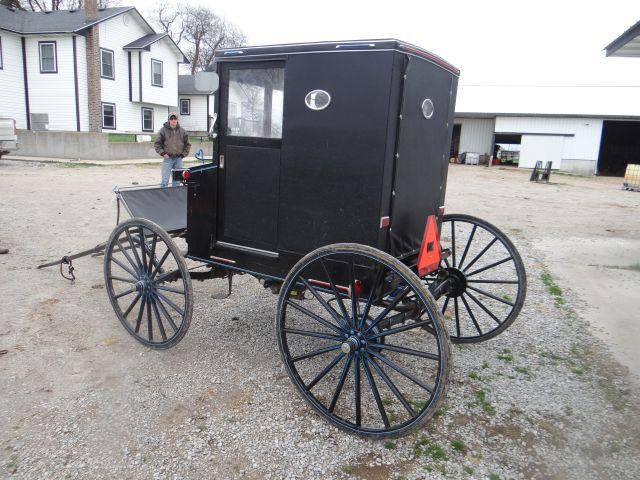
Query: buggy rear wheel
pixel 148 283
pixel 488 279
pixel 349 331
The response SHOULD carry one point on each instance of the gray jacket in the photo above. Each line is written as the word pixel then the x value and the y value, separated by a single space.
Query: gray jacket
pixel 172 141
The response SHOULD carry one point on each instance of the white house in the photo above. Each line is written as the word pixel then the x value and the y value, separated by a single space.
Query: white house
pixel 86 70
pixel 195 107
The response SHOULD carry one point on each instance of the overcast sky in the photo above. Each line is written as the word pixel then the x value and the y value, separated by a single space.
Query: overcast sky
pixel 493 42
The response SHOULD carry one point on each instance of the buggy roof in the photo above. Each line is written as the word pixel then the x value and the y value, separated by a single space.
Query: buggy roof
pixel 266 51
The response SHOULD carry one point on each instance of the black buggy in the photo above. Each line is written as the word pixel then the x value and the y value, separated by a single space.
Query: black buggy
pixel 328 186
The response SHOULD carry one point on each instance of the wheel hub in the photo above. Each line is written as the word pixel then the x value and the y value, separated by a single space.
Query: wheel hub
pixel 457 281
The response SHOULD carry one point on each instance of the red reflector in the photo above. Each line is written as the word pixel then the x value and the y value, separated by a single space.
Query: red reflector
pixel 385 222
pixel 430 252
pixel 186 175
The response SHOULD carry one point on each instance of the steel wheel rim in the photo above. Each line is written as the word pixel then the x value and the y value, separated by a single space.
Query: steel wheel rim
pixel 363 360
pixel 154 312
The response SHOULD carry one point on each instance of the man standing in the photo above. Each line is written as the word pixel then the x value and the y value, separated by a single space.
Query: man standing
pixel 173 144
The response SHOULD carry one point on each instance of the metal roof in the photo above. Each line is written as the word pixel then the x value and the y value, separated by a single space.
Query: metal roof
pixel 626 45
pixel 145 41
pixel 186 86
pixel 60 21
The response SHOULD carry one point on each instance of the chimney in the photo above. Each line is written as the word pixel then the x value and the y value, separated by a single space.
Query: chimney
pixel 92 41
pixel 90 10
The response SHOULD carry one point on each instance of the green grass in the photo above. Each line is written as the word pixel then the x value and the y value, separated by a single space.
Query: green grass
pixel 388 445
pixel 473 375
pixel 553 288
pixel 523 370
pixel 467 470
pixel 481 401
pixel 348 469
pixel 507 298
pixel 121 137
pixel 505 355
pixel 426 448
pixel 458 446
pixel 485 365
pixel 494 476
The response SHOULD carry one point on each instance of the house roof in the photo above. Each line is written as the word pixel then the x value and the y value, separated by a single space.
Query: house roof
pixel 187 86
pixel 144 42
pixel 60 21
pixel 626 45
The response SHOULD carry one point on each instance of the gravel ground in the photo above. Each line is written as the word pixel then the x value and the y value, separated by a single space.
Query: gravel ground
pixel 81 399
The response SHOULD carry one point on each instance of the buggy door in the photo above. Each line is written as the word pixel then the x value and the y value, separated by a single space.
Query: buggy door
pixel 251 101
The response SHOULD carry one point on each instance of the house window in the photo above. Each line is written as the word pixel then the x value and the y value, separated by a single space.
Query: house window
pixel 1 62
pixel 147 119
pixel 48 57
pixel 106 64
pixel 185 106
pixel 109 116
pixel 156 73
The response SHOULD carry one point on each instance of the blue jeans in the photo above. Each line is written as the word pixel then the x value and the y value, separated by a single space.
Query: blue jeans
pixel 167 165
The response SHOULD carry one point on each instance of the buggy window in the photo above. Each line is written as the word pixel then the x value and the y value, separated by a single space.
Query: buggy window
pixel 259 93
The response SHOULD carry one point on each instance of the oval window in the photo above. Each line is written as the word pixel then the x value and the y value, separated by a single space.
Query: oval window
pixel 317 99
pixel 427 108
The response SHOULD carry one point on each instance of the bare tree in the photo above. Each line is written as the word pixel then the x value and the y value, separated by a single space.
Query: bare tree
pixel 52 5
pixel 198 31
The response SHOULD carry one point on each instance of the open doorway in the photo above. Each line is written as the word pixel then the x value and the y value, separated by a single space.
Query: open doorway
pixel 619 146
pixel 455 141
pixel 506 147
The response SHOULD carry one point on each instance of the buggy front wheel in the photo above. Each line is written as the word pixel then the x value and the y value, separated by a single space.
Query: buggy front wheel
pixel 350 332
pixel 148 283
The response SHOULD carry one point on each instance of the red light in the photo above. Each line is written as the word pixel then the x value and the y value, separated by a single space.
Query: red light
pixel 186 175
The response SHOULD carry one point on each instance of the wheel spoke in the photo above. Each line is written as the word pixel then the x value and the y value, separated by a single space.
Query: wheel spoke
pixel 337 294
pixel 495 264
pixel 376 393
pixel 307 333
pixel 133 304
pixel 169 289
pixel 121 279
pixel 317 318
pixel 374 287
pixel 126 292
pixel 326 306
pixel 391 385
pixel 133 248
pixel 159 320
pixel 444 307
pixel 453 242
pixel 124 252
pixel 326 370
pixel 166 275
pixel 393 331
pixel 466 248
pixel 405 350
pixel 315 353
pixel 356 389
pixel 140 313
pixel 402 371
pixel 152 256
pixel 490 295
pixel 124 267
pixel 170 303
pixel 482 252
pixel 143 248
pixel 455 307
pixel 473 318
pixel 389 307
pixel 486 310
pixel 162 259
pixel 149 322
pixel 166 314
pixel 343 377
pixel 354 293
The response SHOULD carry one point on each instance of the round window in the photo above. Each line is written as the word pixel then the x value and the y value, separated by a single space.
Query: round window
pixel 427 108
pixel 317 99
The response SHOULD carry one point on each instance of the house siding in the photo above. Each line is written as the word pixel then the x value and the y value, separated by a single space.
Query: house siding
pixel 12 101
pixel 115 33
pixel 196 121
pixel 52 93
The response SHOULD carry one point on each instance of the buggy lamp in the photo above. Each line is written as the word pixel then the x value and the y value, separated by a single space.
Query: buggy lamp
pixel 186 175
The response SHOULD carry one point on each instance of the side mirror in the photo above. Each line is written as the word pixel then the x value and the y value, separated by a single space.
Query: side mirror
pixel 207 82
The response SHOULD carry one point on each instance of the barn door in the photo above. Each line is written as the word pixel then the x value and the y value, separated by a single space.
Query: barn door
pixel 251 101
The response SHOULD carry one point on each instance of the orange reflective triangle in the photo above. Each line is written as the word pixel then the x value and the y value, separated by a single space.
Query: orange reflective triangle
pixel 430 251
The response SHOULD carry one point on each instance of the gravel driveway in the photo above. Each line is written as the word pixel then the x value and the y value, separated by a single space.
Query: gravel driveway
pixel 81 399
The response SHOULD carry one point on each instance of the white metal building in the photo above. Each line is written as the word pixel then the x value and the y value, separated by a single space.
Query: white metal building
pixel 586 130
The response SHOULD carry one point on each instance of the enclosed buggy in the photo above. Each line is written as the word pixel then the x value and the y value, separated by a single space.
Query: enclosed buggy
pixel 328 185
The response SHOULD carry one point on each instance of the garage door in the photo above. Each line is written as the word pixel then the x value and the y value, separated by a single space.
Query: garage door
pixel 541 147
